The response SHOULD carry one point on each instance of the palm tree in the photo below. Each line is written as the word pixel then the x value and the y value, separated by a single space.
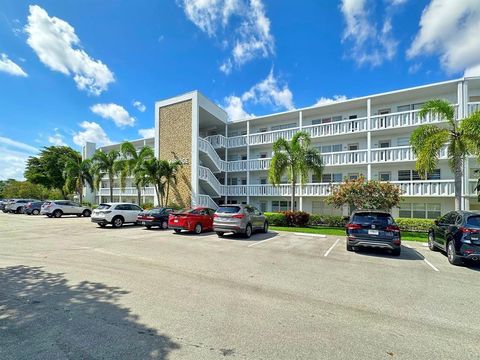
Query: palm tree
pixel 294 158
pixel 106 164
pixel 132 160
pixel 170 175
pixel 78 173
pixel 151 171
pixel 462 139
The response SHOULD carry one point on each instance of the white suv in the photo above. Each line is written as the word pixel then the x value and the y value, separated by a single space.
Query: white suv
pixel 116 214
pixel 57 208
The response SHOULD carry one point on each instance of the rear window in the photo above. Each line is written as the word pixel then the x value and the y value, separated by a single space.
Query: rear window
pixel 474 221
pixel 103 207
pixel 372 218
pixel 228 209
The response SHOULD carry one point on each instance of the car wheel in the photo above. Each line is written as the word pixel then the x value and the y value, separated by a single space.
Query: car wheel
pixel 86 213
pixel 220 234
pixel 431 242
pixel 265 227
pixel 117 222
pixel 102 225
pixel 198 229
pixel 79 215
pixel 178 231
pixel 452 256
pixel 148 227
pixel 18 211
pixel 396 252
pixel 164 224
pixel 248 231
pixel 349 247
pixel 35 212
pixel 57 213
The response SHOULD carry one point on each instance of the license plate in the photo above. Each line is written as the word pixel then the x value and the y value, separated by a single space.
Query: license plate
pixel 474 238
pixel 372 232
pixel 176 220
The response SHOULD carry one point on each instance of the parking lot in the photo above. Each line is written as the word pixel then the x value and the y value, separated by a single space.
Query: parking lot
pixel 69 289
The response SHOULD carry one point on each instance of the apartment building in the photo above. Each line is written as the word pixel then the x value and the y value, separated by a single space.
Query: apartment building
pixel 227 161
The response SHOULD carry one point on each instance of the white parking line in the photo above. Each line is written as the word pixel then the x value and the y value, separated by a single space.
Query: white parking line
pixel 260 242
pixel 313 235
pixel 424 259
pixel 331 248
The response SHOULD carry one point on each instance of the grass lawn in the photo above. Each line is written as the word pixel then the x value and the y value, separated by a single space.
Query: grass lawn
pixel 406 235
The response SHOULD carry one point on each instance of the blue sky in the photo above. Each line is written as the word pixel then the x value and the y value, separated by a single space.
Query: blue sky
pixel 76 71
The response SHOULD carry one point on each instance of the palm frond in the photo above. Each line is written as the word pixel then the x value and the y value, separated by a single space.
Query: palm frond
pixel 439 107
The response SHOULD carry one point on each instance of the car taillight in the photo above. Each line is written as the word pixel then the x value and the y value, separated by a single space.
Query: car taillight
pixel 238 216
pixel 354 226
pixel 468 231
pixel 393 228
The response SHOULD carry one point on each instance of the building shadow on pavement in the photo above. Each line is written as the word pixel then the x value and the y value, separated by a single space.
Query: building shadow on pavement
pixel 42 316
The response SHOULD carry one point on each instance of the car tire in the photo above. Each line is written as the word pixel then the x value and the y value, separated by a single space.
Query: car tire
pixel 349 248
pixel 86 213
pixel 431 242
pixel 248 231
pixel 35 212
pixel 178 231
pixel 164 225
pixel 452 256
pixel 198 229
pixel 79 215
pixel 18 211
pixel 57 214
pixel 148 227
pixel 396 252
pixel 220 234
pixel 117 222
pixel 265 227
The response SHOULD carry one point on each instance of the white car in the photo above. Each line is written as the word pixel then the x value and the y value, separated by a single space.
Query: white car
pixel 116 214
pixel 16 205
pixel 57 208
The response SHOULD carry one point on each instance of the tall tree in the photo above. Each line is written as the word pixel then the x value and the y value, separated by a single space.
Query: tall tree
pixel 78 173
pixel 296 159
pixel 170 172
pixel 151 171
pixel 47 168
pixel 462 138
pixel 130 162
pixel 106 164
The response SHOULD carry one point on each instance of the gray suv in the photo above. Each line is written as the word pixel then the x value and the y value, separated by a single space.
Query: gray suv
pixel 58 208
pixel 239 219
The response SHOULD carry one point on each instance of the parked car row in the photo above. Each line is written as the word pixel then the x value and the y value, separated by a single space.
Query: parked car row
pixel 16 206
pixel 51 208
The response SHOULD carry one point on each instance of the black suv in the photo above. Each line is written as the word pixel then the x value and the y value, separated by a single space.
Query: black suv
pixel 457 233
pixel 377 229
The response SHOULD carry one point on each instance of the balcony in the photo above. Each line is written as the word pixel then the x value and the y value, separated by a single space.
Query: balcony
pixel 398 153
pixel 127 191
pixel 337 127
pixel 472 107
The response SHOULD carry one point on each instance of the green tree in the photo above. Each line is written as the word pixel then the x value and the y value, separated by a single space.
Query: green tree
pixel 152 171
pixel 78 173
pixel 170 171
pixel 362 194
pixel 296 159
pixel 47 168
pixel 462 138
pixel 106 164
pixel 131 161
pixel 3 184
pixel 26 190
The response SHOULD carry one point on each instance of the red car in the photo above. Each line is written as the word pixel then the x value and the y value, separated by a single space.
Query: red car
pixel 195 220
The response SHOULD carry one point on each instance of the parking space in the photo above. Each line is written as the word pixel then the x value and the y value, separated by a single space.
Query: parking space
pixel 263 297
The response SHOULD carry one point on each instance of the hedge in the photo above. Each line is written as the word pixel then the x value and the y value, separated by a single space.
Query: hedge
pixel 298 219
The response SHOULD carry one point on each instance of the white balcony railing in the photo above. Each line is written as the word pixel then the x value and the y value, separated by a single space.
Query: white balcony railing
pixel 207 147
pixel 239 165
pixel 206 201
pixel 398 153
pixel 345 158
pixel 427 188
pixel 472 107
pixel 336 127
pixel 127 191
pixel 207 175
pixel 217 141
pixel 236 141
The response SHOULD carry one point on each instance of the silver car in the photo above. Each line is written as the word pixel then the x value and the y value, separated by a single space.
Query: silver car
pixel 17 205
pixel 58 208
pixel 239 219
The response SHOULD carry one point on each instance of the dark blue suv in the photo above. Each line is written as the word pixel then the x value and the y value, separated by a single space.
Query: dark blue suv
pixel 458 234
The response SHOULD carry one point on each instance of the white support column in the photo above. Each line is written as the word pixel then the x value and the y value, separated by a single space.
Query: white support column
pixel 248 161
pixel 226 159
pixel 369 140
pixel 466 186
pixel 300 125
pixel 195 136
pixel 460 100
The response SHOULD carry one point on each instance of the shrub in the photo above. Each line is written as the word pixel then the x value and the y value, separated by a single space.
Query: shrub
pixel 147 206
pixel 328 220
pixel 296 218
pixel 420 225
pixel 276 219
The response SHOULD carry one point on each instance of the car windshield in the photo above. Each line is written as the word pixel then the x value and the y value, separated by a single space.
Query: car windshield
pixel 372 218
pixel 474 221
pixel 103 207
pixel 154 211
pixel 228 209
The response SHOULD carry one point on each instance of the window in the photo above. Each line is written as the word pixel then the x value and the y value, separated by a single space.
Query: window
pixel 284 126
pixel 263 181
pixel 281 205
pixel 422 211
pixel 402 108
pixel 405 210
pixel 384 144
pixel 263 130
pixel 244 132
pixel 384 176
pixel 419 210
pixel 244 181
pixel 353 176
pixel 244 157
pixel 262 156
pixel 330 148
pixel 263 206
pixel 407 175
pixel 233 181
pixel 403 141
pixel 417 106
pixel 384 111
pixel 433 211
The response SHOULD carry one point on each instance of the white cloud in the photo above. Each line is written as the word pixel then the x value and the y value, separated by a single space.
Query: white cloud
pixel 139 106
pixel 450 29
pixel 58 47
pixel 92 132
pixel 147 133
pixel 114 112
pixel 325 101
pixel 249 38
pixel 371 44
pixel 265 92
pixel 13 158
pixel 57 139
pixel 8 66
